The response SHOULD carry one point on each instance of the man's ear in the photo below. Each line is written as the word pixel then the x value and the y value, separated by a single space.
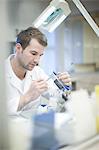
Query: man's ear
pixel 18 48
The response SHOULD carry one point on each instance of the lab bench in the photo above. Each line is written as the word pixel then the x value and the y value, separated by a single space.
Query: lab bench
pixel 90 144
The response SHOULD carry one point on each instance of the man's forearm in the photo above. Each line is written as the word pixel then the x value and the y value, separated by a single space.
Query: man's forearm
pixel 24 99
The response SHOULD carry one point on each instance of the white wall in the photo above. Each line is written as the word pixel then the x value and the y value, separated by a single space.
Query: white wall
pixel 21 14
pixel 4 144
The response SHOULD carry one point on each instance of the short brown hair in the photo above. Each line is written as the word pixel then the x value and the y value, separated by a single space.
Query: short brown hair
pixel 25 36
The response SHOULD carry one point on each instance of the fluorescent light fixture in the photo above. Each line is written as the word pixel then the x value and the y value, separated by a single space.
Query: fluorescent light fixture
pixel 55 23
pixel 39 21
pixel 53 15
pixel 87 16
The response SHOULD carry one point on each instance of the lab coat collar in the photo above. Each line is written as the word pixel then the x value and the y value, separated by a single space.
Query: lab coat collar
pixel 17 84
pixel 14 80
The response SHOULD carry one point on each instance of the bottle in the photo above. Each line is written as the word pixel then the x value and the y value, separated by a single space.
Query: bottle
pixel 65 89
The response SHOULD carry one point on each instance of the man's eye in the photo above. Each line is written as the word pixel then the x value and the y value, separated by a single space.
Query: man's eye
pixel 41 55
pixel 33 54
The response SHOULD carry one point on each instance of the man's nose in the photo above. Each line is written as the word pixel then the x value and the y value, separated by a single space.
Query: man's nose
pixel 36 59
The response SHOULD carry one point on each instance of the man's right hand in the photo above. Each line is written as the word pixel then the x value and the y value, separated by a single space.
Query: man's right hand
pixel 35 90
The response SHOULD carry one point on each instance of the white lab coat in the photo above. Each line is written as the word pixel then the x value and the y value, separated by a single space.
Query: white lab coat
pixel 14 89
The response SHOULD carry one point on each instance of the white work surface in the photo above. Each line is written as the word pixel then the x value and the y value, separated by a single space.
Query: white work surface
pixel 90 144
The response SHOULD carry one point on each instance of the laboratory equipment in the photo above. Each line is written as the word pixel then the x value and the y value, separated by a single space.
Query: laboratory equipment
pixel 64 89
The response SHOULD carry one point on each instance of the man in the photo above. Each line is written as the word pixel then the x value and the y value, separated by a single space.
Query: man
pixel 26 81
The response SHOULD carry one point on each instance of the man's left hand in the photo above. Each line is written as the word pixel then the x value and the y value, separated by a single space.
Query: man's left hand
pixel 65 78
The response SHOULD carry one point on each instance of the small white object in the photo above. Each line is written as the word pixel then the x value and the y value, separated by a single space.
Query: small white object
pixel 85 125
pixel 42 109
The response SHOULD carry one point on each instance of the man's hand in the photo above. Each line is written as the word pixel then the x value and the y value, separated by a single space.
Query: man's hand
pixel 65 78
pixel 35 90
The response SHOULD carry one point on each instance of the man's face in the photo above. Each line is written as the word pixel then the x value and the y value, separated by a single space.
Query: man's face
pixel 30 56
